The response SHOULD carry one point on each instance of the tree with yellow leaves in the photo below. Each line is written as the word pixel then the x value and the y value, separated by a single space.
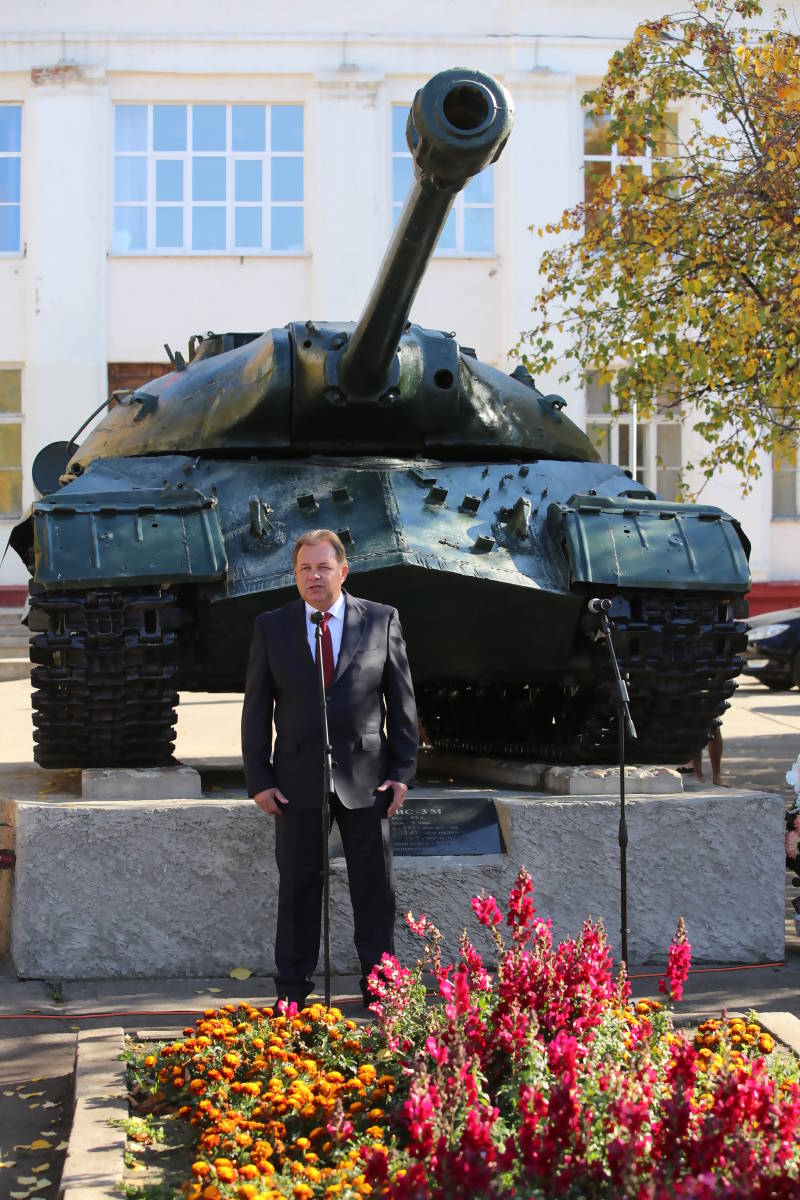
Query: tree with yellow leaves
pixel 685 282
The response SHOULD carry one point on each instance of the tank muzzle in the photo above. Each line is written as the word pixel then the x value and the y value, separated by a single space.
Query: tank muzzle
pixel 458 124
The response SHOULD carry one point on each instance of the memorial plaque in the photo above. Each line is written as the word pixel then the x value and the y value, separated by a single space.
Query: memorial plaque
pixel 446 825
pixel 425 825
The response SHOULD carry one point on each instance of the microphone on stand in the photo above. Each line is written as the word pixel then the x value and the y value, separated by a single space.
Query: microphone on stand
pixel 599 606
pixel 317 617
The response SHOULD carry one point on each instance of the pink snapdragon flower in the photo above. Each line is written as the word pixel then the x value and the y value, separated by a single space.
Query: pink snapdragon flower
pixel 678 963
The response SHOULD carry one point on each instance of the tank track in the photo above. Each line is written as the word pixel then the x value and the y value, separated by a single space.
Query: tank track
pixel 105 679
pixel 680 655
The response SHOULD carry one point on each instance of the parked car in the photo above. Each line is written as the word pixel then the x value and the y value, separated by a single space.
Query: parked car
pixel 773 649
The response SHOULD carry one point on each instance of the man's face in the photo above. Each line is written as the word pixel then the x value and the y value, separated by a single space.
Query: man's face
pixel 319 575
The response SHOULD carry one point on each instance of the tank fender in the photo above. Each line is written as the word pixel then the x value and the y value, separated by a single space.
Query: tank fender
pixel 107 538
pixel 632 543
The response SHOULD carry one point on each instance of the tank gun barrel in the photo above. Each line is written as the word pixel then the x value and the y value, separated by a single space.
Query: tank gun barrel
pixel 458 124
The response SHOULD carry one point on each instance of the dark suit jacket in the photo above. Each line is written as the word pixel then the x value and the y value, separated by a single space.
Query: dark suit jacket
pixel 372 716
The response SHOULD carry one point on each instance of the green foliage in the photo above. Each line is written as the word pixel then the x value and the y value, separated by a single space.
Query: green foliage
pixel 686 284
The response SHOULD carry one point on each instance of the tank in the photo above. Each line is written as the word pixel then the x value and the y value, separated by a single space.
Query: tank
pixel 464 496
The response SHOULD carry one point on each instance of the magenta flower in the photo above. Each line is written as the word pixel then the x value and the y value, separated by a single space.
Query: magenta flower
pixel 678 963
pixel 486 910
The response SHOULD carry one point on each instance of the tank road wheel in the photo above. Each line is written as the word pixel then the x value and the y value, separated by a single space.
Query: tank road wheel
pixel 681 655
pixel 105 676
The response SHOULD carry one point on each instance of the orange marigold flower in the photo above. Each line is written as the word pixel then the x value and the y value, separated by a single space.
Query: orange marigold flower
pixel 151 1060
pixel 248 1191
pixel 211 1192
pixel 367 1073
pixel 197 1087
pixel 200 1168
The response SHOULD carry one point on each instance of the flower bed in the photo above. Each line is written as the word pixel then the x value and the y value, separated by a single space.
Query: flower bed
pixel 541 1078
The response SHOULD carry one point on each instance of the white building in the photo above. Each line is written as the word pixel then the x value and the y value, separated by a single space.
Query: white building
pixel 166 169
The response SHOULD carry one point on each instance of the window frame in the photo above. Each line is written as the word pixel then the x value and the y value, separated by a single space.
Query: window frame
pixel 612 419
pixel 460 203
pixel 19 251
pixel 788 470
pixel 617 160
pixel 15 418
pixel 188 202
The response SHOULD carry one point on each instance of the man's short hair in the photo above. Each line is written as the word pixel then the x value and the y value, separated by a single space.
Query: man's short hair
pixel 313 537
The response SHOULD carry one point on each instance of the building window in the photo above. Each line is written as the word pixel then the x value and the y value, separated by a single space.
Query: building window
pixel 469 228
pixel 603 158
pixel 651 450
pixel 208 179
pixel 10 443
pixel 10 172
pixel 784 484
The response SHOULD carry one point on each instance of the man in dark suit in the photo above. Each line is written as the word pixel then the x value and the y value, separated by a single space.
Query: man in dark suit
pixel 372 721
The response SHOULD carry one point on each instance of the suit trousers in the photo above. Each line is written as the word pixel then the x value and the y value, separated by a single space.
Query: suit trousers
pixel 298 852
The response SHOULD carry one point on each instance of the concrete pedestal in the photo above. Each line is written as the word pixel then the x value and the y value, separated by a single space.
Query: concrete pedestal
pixel 142 888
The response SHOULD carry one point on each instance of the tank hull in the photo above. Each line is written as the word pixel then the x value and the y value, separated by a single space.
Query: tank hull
pixel 490 565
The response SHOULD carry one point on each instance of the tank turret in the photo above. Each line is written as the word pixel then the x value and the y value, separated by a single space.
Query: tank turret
pixel 382 384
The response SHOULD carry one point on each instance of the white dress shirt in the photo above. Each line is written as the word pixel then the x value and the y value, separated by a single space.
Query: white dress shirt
pixel 335 625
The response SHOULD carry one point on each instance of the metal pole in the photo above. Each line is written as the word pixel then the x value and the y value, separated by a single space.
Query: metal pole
pixel 327 792
pixel 625 721
pixel 623 840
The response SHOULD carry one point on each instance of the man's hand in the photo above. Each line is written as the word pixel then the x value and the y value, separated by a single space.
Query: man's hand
pixel 398 794
pixel 268 800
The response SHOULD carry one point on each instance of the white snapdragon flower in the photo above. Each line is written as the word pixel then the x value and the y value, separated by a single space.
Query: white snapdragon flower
pixel 793 776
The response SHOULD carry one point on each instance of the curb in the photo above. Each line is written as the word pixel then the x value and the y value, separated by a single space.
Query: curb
pixel 95 1157
pixel 783 1026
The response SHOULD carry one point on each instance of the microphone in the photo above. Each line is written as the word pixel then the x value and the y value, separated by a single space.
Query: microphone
pixel 596 606
pixel 317 618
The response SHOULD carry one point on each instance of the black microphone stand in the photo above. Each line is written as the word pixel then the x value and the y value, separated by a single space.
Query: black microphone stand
pixel 624 720
pixel 327 794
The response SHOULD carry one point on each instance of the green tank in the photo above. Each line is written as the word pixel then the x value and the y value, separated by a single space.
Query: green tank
pixel 464 496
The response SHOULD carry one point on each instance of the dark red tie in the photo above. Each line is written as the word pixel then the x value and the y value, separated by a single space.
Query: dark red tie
pixel 327 651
